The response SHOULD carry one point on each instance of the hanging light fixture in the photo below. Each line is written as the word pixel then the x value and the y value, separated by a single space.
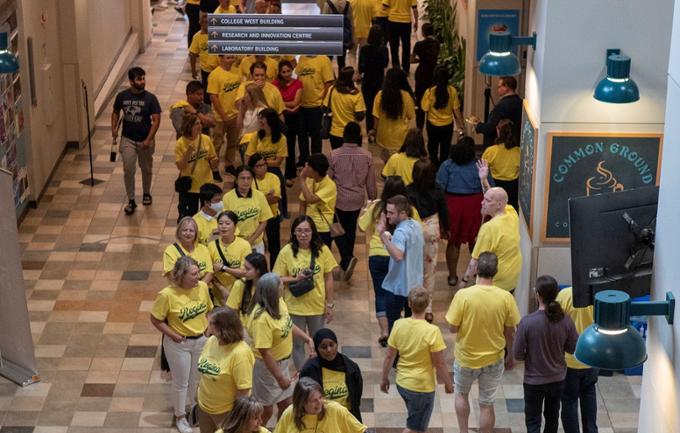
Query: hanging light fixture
pixel 8 61
pixel 500 60
pixel 617 87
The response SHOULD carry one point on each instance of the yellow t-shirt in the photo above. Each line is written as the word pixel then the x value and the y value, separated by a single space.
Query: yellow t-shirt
pixel 362 17
pixel 259 430
pixel 266 147
pixel 503 163
pixel 229 10
pixel 194 2
pixel 337 419
pixel 236 296
pixel 199 47
pixel 185 310
pixel 251 211
pixel 206 227
pixel 202 174
pixel 415 340
pixel 401 165
pixel 314 72
pixel 224 370
pixel 269 333
pixel 225 85
pixel 582 317
pixel 391 132
pixel 326 190
pixel 271 64
pixel 200 254
pixel 367 224
pixel 272 96
pixel 500 235
pixel 335 386
pixel 400 10
pixel 235 253
pixel 270 183
pixel 481 314
pixel 343 106
pixel 312 303
pixel 379 10
pixel 437 116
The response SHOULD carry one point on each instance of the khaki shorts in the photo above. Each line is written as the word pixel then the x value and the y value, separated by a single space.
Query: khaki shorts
pixel 489 378
pixel 266 389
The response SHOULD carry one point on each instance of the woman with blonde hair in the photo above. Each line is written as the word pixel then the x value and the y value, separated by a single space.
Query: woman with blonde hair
pixel 248 120
pixel 180 313
pixel 245 417
pixel 187 244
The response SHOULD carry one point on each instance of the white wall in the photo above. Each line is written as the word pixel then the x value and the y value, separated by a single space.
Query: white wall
pixel 659 401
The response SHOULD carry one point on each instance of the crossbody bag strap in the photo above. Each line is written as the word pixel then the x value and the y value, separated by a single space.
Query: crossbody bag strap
pixel 198 150
pixel 332 7
pixel 179 249
pixel 219 251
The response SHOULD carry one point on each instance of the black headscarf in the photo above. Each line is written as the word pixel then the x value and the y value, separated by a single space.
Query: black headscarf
pixel 336 364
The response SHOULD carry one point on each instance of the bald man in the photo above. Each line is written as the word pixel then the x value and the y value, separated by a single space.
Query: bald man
pixel 499 235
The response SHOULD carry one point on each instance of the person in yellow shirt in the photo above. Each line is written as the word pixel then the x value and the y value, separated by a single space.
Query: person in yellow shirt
pixel 258 75
pixel 503 160
pixel 198 51
pixel 251 207
pixel 226 369
pixel 245 417
pixel 579 385
pixel 305 257
pixel 226 7
pixel 420 346
pixel 223 85
pixel 318 414
pixel 272 330
pixel 318 195
pixel 241 293
pixel 193 104
pixel 484 318
pixel 316 74
pixel 393 110
pixel 442 106
pixel 187 244
pixel 180 313
pixel 271 64
pixel 362 17
pixel 401 163
pixel 399 29
pixel 206 218
pixel 269 185
pixel 346 103
pixel 227 254
pixel 195 157
pixel 500 235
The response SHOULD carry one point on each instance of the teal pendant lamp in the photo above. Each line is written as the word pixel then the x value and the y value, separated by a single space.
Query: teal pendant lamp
pixel 610 343
pixel 8 61
pixel 617 87
pixel 500 60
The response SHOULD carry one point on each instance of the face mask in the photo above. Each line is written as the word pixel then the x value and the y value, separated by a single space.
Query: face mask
pixel 217 207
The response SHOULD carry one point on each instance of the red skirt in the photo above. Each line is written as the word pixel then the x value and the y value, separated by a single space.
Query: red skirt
pixel 465 217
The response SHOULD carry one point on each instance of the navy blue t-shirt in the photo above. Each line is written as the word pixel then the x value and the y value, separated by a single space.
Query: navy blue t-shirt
pixel 137 110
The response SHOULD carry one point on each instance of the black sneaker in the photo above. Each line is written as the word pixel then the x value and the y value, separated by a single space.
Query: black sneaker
pixel 130 208
pixel 216 176
pixel 146 199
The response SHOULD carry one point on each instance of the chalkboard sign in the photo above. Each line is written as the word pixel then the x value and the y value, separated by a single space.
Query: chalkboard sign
pixel 585 164
pixel 527 164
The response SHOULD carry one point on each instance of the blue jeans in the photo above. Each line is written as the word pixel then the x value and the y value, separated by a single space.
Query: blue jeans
pixel 419 407
pixel 579 386
pixel 395 305
pixel 378 266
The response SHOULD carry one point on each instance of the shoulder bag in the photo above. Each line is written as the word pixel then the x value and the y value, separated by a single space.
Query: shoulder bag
pixel 299 288
pixel 327 119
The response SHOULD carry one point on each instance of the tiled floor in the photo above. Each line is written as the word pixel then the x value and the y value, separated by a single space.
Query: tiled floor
pixel 91 274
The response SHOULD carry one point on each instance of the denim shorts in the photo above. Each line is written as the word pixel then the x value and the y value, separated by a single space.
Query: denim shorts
pixel 489 379
pixel 419 406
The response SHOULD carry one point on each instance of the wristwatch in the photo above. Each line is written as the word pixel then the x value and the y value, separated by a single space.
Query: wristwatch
pixel 331 306
pixel 224 268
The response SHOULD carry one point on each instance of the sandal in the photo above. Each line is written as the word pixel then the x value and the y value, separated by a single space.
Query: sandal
pixel 146 199
pixel 130 208
pixel 453 281
pixel 383 341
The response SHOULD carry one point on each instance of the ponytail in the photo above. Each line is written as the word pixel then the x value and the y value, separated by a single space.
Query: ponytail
pixel 547 289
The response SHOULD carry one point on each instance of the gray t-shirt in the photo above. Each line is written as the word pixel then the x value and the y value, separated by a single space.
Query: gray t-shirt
pixel 542 344
pixel 177 115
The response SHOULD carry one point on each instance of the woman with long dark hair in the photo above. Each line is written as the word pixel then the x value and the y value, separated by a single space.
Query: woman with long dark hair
pixel 425 54
pixel 503 160
pixel 241 293
pixel 346 104
pixel 430 201
pixel 373 59
pixel 269 185
pixel 393 110
pixel 401 163
pixel 541 341
pixel 442 106
pixel 306 257
pixel 291 93
pixel 378 257
pixel 311 412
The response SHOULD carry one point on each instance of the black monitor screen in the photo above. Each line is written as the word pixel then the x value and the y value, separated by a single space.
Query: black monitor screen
pixel 612 243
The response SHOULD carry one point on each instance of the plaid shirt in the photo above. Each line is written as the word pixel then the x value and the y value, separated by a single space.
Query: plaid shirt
pixel 351 168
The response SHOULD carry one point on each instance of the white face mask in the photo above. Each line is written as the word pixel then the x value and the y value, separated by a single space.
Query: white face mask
pixel 217 207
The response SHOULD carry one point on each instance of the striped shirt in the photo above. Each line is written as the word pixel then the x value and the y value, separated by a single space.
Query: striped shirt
pixel 351 168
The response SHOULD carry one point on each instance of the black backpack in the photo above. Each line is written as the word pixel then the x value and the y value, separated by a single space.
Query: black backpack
pixel 347 34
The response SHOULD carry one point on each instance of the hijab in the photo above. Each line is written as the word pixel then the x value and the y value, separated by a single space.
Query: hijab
pixel 337 364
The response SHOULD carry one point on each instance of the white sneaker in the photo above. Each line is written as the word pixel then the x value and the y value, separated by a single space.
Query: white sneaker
pixel 183 425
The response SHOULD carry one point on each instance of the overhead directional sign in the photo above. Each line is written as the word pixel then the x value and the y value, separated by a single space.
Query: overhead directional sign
pixel 275 34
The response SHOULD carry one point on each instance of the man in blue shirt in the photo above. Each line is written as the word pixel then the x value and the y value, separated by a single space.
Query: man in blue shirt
pixel 405 247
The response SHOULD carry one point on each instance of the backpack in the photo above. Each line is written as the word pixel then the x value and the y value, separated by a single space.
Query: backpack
pixel 347 34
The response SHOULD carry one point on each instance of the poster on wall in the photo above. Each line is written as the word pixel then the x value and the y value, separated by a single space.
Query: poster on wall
pixel 585 164
pixel 527 164
pixel 494 20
